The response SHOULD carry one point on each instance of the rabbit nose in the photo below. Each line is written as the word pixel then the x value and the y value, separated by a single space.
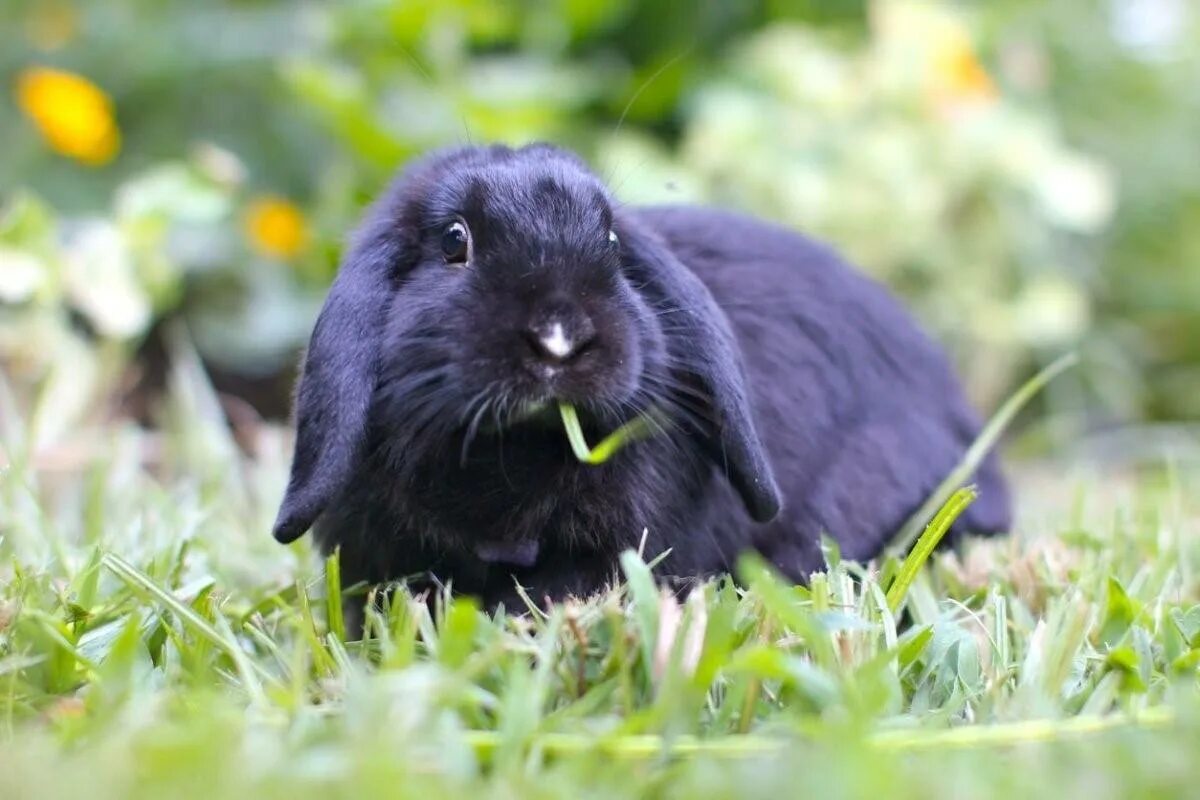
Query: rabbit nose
pixel 557 342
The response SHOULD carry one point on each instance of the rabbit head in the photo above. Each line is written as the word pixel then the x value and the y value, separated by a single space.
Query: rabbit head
pixel 486 286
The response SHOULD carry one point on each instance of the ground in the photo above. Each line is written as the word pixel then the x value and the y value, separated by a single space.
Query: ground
pixel 156 642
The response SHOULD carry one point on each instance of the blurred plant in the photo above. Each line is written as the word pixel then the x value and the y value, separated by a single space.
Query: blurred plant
pixel 392 78
pixel 1124 79
pixel 904 153
pixel 78 295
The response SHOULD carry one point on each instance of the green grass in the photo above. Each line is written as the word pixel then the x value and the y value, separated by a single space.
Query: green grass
pixel 638 428
pixel 156 642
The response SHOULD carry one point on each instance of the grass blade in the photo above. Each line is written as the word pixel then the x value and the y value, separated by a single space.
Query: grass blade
pixel 925 546
pixel 637 428
pixel 978 451
pixel 645 747
pixel 143 583
pixel 333 595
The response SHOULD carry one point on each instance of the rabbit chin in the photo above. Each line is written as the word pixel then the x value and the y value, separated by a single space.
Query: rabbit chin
pixel 540 412
pixel 544 413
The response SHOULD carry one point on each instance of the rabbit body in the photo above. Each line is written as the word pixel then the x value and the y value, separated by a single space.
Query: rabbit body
pixel 793 396
pixel 865 414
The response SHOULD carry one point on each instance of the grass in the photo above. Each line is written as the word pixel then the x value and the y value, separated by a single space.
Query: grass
pixel 637 428
pixel 156 642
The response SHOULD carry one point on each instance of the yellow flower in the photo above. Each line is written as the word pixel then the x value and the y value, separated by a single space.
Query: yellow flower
pixel 73 114
pixel 276 227
pixel 957 75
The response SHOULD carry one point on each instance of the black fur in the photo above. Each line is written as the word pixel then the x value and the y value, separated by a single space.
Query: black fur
pixel 422 449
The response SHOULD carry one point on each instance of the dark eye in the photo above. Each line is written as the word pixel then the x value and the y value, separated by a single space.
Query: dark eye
pixel 612 237
pixel 456 243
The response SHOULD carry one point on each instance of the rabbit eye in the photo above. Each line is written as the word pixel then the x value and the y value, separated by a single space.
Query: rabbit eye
pixel 612 237
pixel 456 242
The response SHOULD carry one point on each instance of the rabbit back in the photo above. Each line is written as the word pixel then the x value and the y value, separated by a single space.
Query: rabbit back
pixel 861 412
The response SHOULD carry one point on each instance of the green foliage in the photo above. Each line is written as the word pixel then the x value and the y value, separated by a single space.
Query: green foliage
pixel 1124 82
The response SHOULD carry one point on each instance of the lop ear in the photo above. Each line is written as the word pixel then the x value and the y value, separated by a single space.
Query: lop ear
pixel 333 399
pixel 702 345
pixel 334 393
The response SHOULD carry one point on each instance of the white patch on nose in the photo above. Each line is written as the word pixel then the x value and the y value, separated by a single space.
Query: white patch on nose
pixel 557 344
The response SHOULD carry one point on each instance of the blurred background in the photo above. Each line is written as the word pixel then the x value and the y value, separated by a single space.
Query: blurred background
pixel 1025 173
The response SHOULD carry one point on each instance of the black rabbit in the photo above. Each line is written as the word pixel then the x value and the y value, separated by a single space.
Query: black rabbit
pixel 792 395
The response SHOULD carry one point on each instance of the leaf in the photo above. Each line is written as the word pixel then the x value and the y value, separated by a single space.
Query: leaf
pixel 127 665
pixel 785 604
pixel 925 546
pixel 1119 613
pixel 1187 663
pixel 815 685
pixel 913 644
pixel 644 596
pixel 457 633
pixel 1122 658
pixel 88 580
pixel 142 583
pixel 1188 624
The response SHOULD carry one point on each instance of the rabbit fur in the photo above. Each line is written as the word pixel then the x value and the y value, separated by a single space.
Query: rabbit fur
pixel 792 396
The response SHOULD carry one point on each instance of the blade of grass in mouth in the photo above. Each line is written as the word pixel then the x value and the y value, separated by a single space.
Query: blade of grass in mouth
pixel 637 428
